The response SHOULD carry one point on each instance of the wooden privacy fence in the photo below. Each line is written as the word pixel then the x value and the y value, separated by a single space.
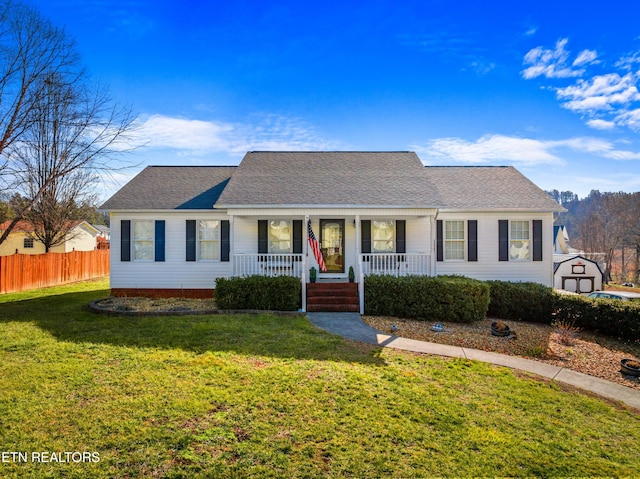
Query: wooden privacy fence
pixel 20 272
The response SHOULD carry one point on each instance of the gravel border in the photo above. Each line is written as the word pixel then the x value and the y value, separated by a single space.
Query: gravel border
pixel 586 353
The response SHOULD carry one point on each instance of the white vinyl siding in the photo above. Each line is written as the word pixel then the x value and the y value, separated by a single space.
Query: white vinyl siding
pixel 488 266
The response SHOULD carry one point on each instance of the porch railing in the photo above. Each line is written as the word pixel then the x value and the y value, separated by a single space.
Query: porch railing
pixel 268 265
pixel 396 264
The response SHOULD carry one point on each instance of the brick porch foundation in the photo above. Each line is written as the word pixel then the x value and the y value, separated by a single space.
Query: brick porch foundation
pixel 162 293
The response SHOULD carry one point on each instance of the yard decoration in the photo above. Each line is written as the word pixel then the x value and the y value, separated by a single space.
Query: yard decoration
pixel 630 367
pixel 313 272
pixel 352 275
pixel 498 328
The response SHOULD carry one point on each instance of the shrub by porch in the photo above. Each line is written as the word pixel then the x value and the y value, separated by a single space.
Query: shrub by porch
pixel 451 298
pixel 278 293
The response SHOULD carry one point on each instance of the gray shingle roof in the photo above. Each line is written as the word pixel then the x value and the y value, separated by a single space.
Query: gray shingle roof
pixel 172 187
pixel 489 188
pixel 330 179
pixel 327 179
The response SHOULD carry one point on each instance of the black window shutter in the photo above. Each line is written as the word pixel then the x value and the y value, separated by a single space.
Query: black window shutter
pixel 125 240
pixel 472 240
pixel 159 240
pixel 365 236
pixel 297 236
pixel 225 244
pixel 503 240
pixel 537 240
pixel 191 240
pixel 401 235
pixel 263 239
pixel 439 241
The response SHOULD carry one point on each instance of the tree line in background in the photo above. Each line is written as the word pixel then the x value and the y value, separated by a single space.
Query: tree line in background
pixel 606 224
pixel 59 130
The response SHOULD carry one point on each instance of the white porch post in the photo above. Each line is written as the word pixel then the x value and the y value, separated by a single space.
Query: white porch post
pixel 360 276
pixel 432 226
pixel 231 248
pixel 303 279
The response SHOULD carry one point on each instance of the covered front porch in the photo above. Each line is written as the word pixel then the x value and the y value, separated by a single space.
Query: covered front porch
pixel 352 246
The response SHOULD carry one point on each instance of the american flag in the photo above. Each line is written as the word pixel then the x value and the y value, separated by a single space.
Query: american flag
pixel 315 247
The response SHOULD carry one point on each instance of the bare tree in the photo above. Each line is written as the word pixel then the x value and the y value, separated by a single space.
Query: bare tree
pixel 31 49
pixel 57 131
pixel 75 131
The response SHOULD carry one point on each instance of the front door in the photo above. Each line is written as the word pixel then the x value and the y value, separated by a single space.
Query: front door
pixel 332 244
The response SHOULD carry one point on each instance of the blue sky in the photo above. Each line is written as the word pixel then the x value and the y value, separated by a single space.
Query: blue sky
pixel 549 87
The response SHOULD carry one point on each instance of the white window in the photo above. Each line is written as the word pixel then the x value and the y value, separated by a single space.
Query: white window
pixel 280 232
pixel 519 240
pixel 454 240
pixel 143 233
pixel 383 235
pixel 209 240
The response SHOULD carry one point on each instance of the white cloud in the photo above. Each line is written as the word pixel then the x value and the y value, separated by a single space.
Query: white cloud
pixel 490 148
pixel 496 149
pixel 553 63
pixel 598 124
pixel 629 118
pixel 198 137
pixel 585 57
pixel 600 93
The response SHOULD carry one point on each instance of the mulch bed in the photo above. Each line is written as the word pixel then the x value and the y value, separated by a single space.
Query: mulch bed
pixel 579 351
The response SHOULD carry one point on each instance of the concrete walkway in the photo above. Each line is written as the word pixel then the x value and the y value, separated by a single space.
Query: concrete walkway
pixel 351 326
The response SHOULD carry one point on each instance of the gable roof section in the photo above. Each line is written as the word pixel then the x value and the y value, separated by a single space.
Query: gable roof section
pixel 489 188
pixel 172 188
pixel 328 179
pixel 332 179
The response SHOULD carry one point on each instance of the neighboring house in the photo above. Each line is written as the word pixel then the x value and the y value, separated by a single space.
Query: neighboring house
pixel 176 229
pixel 82 237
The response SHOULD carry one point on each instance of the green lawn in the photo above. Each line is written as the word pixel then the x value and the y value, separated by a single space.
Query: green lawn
pixel 265 396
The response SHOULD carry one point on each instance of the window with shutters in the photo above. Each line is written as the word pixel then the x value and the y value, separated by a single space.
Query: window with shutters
pixel 143 234
pixel 279 235
pixel 209 240
pixel 454 240
pixel 519 240
pixel 383 236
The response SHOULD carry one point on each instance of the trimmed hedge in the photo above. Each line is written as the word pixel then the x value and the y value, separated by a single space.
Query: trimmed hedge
pixel 614 318
pixel 280 293
pixel 531 302
pixel 441 298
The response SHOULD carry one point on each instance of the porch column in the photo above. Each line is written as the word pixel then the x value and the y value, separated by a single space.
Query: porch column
pixel 305 253
pixel 432 241
pixel 359 276
pixel 231 249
